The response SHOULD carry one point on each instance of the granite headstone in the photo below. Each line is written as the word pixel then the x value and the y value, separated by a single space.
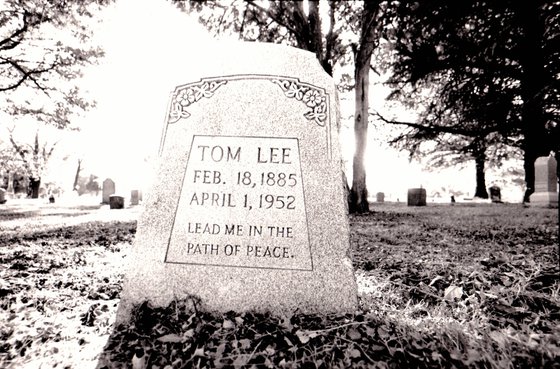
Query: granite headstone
pixel 116 202
pixel 495 194
pixel 251 214
pixel 108 190
pixel 134 197
pixel 416 197
pixel 546 182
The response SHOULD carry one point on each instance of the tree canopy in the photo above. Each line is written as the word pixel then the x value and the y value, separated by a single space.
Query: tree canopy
pixel 33 160
pixel 283 22
pixel 43 46
pixel 483 76
pixel 493 68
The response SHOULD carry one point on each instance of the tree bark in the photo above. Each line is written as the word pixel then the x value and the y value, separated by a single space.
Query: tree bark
pixel 533 81
pixel 34 186
pixel 316 39
pixel 77 175
pixel 358 194
pixel 480 190
pixel 362 60
pixel 557 157
pixel 10 187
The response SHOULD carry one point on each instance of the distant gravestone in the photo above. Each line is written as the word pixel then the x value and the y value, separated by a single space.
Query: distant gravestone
pixel 116 202
pixel 380 197
pixel 546 182
pixel 134 197
pixel 10 188
pixel 495 194
pixel 251 214
pixel 416 197
pixel 2 196
pixel 108 190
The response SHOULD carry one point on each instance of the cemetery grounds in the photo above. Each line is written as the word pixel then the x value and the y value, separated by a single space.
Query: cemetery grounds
pixel 466 286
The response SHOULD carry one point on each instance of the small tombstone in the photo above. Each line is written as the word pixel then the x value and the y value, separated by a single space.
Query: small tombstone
pixel 495 194
pixel 116 202
pixel 51 199
pixel 380 197
pixel 2 196
pixel 416 197
pixel 546 182
pixel 453 200
pixel 108 190
pixel 249 214
pixel 134 197
pixel 10 188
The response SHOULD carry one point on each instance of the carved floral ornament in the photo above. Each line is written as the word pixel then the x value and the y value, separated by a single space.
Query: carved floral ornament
pixel 187 95
pixel 314 98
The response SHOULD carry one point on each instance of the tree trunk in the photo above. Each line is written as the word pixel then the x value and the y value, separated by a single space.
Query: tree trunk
pixel 34 185
pixel 358 194
pixel 316 39
pixel 480 190
pixel 533 81
pixel 10 187
pixel 362 60
pixel 529 167
pixel 347 192
pixel 557 157
pixel 77 176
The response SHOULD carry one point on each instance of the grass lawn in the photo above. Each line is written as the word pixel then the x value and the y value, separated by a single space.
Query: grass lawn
pixel 470 285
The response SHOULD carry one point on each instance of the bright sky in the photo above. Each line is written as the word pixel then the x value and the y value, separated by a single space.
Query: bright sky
pixel 144 42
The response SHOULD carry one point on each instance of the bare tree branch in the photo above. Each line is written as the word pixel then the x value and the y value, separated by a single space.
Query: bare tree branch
pixel 12 41
pixel 26 74
pixel 458 130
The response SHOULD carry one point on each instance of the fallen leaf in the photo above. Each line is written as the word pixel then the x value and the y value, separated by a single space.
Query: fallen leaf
pixel 245 343
pixel 353 334
pixel 288 341
pixel 241 360
pixel 220 350
pixel 199 352
pixel 228 324
pixel 435 280
pixel 139 362
pixel 453 292
pixel 286 323
pixel 172 337
pixel 305 336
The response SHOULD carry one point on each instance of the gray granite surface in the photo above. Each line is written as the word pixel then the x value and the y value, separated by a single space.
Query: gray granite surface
pixel 248 210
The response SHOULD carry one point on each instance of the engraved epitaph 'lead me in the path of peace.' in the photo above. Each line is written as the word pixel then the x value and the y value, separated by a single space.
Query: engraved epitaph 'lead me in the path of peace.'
pixel 248 212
